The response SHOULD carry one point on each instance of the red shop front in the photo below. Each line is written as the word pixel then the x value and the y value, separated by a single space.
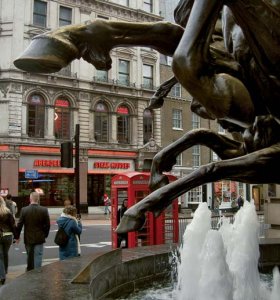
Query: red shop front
pixel 133 186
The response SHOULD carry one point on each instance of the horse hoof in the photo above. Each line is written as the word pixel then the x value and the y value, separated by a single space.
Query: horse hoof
pixel 130 223
pixel 46 54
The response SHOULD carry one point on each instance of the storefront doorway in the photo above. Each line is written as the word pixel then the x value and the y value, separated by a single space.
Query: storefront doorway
pixel 98 185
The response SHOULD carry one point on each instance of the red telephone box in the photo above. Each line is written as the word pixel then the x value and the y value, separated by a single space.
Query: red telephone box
pixel 133 186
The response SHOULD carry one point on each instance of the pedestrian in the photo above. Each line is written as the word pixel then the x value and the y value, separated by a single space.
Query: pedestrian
pixel 7 233
pixel 123 237
pixel 107 203
pixel 11 204
pixel 36 221
pixel 73 228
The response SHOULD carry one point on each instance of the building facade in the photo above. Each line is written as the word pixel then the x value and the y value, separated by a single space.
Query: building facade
pixel 38 112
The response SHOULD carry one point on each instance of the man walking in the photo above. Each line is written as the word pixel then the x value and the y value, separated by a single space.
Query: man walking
pixel 36 222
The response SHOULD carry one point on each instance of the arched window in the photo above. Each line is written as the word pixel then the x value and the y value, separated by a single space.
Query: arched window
pixel 147 125
pixel 36 116
pixel 123 130
pixel 62 118
pixel 101 122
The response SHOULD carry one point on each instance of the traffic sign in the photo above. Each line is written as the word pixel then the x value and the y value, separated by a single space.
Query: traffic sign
pixel 31 174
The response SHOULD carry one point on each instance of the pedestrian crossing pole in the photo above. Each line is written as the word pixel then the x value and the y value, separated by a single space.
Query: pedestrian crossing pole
pixel 77 167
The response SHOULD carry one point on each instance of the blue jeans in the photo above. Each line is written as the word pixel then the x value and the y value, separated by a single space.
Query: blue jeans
pixel 107 209
pixel 34 256
pixel 5 244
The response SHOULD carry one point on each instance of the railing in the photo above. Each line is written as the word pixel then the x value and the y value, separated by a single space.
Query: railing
pixel 185 221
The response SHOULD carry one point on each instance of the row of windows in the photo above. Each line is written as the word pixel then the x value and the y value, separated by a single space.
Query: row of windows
pixel 65 13
pixel 102 120
pixel 124 75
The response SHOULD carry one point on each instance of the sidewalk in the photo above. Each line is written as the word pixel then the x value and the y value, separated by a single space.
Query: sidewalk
pixel 94 217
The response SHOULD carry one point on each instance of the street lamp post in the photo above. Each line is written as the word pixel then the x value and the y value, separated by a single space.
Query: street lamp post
pixel 77 167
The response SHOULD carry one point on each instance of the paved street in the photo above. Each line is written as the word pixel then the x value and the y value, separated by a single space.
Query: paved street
pixel 96 235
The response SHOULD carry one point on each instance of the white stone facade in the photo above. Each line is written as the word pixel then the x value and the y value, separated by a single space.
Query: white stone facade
pixel 78 84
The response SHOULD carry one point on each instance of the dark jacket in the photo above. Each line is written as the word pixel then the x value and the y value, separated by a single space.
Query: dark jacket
pixel 36 222
pixel 73 230
pixel 7 224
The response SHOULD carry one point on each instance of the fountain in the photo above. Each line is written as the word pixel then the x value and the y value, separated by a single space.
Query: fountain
pixel 220 264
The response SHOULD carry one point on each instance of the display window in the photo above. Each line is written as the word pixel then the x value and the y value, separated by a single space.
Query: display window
pixel 53 188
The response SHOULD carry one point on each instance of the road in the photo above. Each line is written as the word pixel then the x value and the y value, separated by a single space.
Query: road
pixel 96 235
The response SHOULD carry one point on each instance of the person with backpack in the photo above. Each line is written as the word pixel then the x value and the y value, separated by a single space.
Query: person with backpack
pixel 73 228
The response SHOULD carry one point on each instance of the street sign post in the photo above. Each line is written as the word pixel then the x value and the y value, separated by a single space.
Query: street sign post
pixel 31 174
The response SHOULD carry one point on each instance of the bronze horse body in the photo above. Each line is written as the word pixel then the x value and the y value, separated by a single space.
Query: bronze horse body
pixel 237 85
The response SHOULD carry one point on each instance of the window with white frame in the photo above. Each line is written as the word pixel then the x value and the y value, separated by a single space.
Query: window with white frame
pixel 176 90
pixel 195 195
pixel 65 16
pixel 40 13
pixel 62 118
pixel 101 122
pixel 147 125
pixel 102 75
pixel 196 156
pixel 148 5
pixel 179 160
pixel 177 119
pixel 124 76
pixel 123 128
pixel 35 116
pixel 148 76
pixel 195 121
pixel 124 2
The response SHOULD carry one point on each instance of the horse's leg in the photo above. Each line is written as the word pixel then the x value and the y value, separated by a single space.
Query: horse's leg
pixel 157 99
pixel 164 160
pixel 93 41
pixel 257 167
pixel 223 96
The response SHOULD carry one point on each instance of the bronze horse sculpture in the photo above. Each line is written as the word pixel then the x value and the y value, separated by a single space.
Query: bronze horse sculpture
pixel 236 84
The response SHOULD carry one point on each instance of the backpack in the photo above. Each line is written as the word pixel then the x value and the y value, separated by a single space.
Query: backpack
pixel 61 238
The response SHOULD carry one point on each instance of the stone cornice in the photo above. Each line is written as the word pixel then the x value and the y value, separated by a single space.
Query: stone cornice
pixel 113 10
pixel 9 155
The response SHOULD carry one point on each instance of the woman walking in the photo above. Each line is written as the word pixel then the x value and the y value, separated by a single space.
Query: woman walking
pixel 7 233
pixel 73 228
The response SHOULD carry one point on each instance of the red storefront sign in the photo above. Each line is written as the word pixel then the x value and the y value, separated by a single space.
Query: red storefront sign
pixel 110 165
pixel 46 163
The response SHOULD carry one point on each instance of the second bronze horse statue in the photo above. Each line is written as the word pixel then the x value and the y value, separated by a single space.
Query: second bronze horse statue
pixel 236 84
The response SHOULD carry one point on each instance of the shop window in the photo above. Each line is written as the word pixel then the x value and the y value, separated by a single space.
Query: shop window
pixel 148 76
pixel 124 72
pixel 65 16
pixel 147 125
pixel 36 116
pixel 62 118
pixel 40 13
pixel 123 129
pixel 101 122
